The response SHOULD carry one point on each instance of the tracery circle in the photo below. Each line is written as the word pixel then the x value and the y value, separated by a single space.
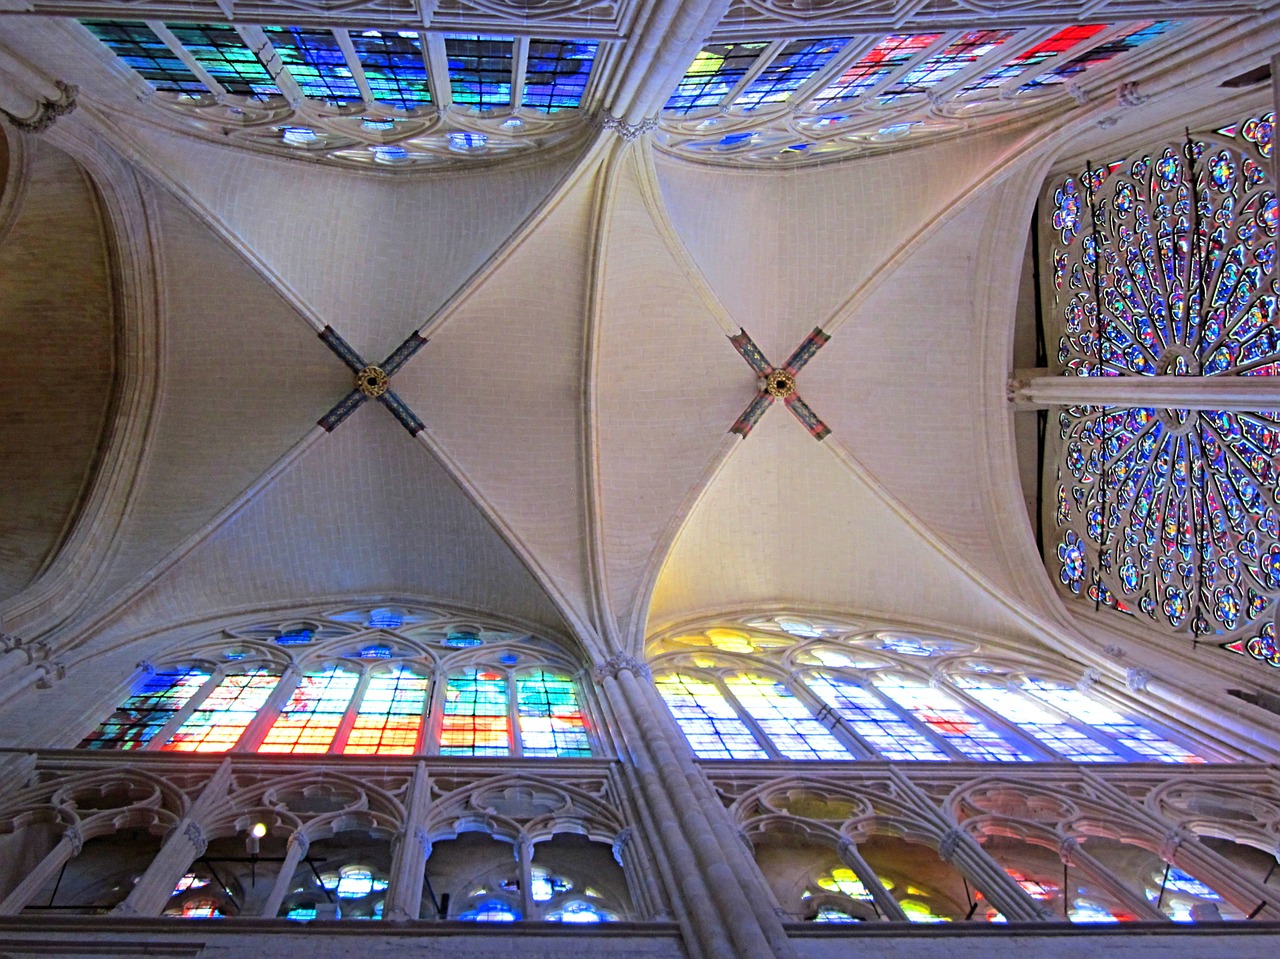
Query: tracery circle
pixel 1169 514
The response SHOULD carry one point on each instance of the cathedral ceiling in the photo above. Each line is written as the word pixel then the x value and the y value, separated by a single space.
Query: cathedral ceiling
pixel 574 471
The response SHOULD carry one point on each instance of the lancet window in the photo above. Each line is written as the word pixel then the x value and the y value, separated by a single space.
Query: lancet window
pixel 381 681
pixel 789 101
pixel 780 688
pixel 360 96
pixel 1161 263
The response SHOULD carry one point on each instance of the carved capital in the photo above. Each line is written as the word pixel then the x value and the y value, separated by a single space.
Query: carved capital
pixel 628 131
pixel 48 110
pixel 1088 679
pixel 1077 94
pixel 610 668
pixel 147 667
pixel 75 837
pixel 1114 651
pixel 1067 849
pixel 195 835
pixel 1136 679
pixel 620 842
pixel 1169 845
pixel 50 673
pixel 1127 95
pixel 300 842
pixel 424 841
pixel 950 842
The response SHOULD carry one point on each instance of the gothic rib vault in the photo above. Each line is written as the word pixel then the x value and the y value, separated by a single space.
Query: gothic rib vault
pixel 575 473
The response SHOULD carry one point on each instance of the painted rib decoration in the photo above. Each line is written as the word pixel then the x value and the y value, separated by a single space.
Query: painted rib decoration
pixel 372 381
pixel 779 383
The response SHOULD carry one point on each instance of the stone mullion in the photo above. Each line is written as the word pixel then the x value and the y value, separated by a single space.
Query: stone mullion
pixel 714 841
pixel 958 847
pixel 295 852
pixel 704 930
pixel 271 710
pixel 524 864
pixel 1036 389
pixel 409 858
pixel 841 730
pixel 352 713
pixel 1074 854
pixel 185 843
pixel 886 905
pixel 1185 850
pixel 68 848
pixel 166 732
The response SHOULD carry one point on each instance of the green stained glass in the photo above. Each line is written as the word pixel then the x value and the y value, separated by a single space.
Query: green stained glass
pixel 475 721
pixel 551 723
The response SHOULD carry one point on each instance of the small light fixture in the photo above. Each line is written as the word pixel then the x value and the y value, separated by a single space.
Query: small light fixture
pixel 259 830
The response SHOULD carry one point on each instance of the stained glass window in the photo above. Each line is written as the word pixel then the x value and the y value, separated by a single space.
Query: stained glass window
pixel 551 723
pixel 141 49
pixel 714 72
pixel 948 718
pixel 145 713
pixel 891 735
pixel 789 70
pixel 846 882
pixel 393 65
pixel 491 910
pixel 1125 41
pixel 221 51
pixel 316 62
pixel 223 715
pixel 475 721
pixel 1034 56
pixel 952 59
pixel 390 714
pixel 894 51
pixel 784 719
pixel 1092 713
pixel 1168 513
pixel 1031 717
pixel 556 73
pixel 707 720
pixel 310 719
pixel 480 70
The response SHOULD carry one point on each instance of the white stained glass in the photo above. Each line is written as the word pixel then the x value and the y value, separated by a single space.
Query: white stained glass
pixel 784 719
pixel 707 720
pixel 948 718
pixel 1092 713
pixel 870 718
pixel 1038 722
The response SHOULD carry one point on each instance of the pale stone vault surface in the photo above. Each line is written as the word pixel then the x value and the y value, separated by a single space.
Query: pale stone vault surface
pixel 167 266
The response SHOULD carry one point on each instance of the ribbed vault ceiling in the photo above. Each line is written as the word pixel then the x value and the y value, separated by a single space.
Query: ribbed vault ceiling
pixel 575 471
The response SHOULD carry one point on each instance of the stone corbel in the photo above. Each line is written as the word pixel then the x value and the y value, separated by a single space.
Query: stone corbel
pixel 628 131
pixel 50 673
pixel 47 110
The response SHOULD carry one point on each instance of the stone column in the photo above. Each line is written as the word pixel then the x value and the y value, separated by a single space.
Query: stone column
pixel 749 935
pixel 67 849
pixel 887 906
pixel 295 852
pixel 184 844
pixel 408 859
pixel 703 929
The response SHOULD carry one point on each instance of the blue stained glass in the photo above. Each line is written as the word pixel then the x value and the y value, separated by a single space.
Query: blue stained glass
pixel 714 72
pixel 950 60
pixel 393 65
pixel 1168 513
pixel 480 70
pixel 141 49
pixel 788 71
pixel 219 49
pixel 316 62
pixel 556 73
